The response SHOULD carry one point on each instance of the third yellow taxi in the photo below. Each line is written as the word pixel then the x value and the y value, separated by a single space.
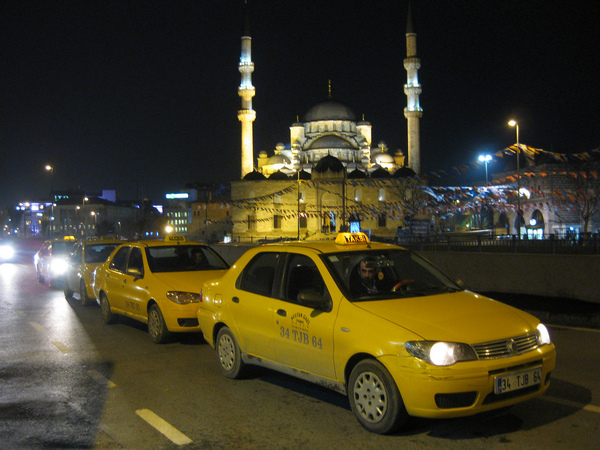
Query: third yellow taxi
pixel 377 323
pixel 156 282
pixel 81 263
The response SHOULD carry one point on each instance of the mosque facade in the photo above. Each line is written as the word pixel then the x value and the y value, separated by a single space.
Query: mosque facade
pixel 330 177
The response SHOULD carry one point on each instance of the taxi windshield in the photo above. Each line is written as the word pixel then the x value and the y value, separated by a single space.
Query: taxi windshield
pixel 182 258
pixel 62 248
pixel 385 274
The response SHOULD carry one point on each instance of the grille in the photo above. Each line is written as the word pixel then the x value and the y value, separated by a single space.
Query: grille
pixel 506 347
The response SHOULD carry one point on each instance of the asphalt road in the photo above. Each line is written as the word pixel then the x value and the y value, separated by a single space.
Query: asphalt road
pixel 69 381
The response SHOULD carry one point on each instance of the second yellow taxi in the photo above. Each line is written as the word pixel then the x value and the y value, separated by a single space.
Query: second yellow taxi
pixel 156 282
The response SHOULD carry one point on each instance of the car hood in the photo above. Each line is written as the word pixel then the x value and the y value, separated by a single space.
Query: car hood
pixel 456 317
pixel 188 281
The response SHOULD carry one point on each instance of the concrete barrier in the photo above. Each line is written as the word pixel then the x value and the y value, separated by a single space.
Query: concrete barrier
pixel 564 276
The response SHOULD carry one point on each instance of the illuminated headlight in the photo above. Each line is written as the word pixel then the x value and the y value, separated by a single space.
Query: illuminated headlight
pixel 440 353
pixel 6 252
pixel 59 266
pixel 543 337
pixel 183 298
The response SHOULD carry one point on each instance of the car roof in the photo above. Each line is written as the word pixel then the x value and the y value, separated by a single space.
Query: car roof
pixel 329 246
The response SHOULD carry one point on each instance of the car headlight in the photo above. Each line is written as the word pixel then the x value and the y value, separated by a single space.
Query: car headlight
pixel 543 337
pixel 6 252
pixel 183 298
pixel 59 266
pixel 440 353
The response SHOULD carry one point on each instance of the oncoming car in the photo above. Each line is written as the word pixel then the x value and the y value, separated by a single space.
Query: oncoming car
pixel 51 259
pixel 156 282
pixel 378 323
pixel 81 263
pixel 7 251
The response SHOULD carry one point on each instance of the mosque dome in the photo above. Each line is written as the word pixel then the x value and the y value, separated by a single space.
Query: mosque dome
pixel 356 174
pixel 279 175
pixel 329 110
pixel 329 141
pixel 382 158
pixel 404 172
pixel 254 176
pixel 380 173
pixel 278 159
pixel 329 163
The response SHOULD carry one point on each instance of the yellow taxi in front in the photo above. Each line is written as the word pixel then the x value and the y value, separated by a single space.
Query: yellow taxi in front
pixel 377 323
pixel 81 263
pixel 156 282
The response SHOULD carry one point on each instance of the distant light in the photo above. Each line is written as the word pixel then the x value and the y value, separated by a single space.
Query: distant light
pixel 178 195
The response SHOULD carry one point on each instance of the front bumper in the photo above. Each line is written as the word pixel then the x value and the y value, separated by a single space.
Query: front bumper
pixel 465 388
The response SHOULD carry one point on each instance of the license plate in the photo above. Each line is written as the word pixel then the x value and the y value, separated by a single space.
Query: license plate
pixel 517 380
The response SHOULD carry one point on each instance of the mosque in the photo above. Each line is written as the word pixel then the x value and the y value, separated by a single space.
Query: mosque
pixel 330 177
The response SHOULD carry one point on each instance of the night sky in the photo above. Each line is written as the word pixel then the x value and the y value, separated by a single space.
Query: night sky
pixel 141 96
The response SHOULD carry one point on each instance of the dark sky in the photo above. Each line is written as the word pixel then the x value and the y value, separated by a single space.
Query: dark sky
pixel 141 96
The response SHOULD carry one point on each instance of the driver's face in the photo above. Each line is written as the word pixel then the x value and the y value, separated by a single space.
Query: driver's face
pixel 366 273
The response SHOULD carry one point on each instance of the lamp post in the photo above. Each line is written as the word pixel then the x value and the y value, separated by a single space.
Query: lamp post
pixel 485 159
pixel 50 169
pixel 514 123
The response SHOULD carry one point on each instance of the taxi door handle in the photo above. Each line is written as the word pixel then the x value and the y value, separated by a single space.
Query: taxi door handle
pixel 235 300
pixel 282 312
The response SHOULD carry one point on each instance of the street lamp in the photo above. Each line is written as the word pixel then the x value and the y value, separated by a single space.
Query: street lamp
pixel 485 159
pixel 514 123
pixel 50 169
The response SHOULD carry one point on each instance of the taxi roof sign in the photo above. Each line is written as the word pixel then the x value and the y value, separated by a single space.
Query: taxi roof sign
pixel 175 238
pixel 352 238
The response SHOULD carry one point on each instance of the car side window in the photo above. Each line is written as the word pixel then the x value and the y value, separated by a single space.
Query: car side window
pixel 119 261
pixel 78 254
pixel 259 274
pixel 302 275
pixel 135 266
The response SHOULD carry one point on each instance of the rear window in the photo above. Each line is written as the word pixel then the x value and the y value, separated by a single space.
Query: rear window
pixel 183 258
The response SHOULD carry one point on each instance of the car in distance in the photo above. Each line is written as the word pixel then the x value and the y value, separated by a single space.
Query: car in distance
pixel 378 323
pixel 7 251
pixel 81 263
pixel 50 261
pixel 156 282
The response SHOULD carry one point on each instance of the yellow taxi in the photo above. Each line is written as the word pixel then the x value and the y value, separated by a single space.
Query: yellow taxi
pixel 156 282
pixel 81 263
pixel 50 261
pixel 378 323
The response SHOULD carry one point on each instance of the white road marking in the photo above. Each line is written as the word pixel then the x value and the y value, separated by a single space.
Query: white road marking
pixel 100 379
pixel 38 327
pixel 172 433
pixel 590 408
pixel 62 347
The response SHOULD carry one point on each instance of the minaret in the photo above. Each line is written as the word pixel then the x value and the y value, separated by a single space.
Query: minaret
pixel 412 89
pixel 246 115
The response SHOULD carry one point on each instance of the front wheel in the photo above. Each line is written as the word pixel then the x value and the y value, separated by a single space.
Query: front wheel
pixel 83 297
pixel 107 315
pixel 157 326
pixel 67 290
pixel 229 355
pixel 375 399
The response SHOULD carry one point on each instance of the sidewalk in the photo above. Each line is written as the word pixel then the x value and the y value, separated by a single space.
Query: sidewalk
pixel 554 310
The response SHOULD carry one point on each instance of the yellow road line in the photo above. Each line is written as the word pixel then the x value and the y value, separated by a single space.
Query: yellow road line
pixel 172 433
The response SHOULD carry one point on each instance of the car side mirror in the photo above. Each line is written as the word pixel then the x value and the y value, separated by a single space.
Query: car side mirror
pixel 135 272
pixel 314 299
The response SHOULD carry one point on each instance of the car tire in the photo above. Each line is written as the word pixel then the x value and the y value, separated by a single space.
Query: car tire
pixel 107 315
pixel 375 399
pixel 41 277
pixel 84 300
pixel 229 355
pixel 68 292
pixel 157 328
